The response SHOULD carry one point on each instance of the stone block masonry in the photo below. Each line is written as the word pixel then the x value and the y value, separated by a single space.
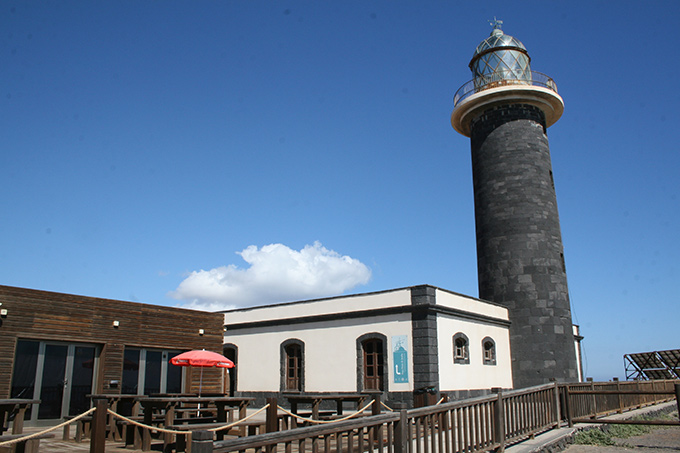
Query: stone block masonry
pixel 519 244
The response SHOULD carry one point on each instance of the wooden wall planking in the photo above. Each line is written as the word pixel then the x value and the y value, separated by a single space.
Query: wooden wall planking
pixel 49 316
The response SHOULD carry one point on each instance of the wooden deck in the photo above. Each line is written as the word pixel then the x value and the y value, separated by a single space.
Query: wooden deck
pixel 57 445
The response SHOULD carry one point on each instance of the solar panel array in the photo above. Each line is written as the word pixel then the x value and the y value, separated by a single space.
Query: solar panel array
pixel 653 365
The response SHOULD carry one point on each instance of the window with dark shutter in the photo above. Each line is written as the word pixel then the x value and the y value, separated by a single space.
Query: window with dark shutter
pixel 373 364
pixel 293 367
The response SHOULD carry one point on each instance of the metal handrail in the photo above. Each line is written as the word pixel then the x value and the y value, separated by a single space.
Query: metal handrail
pixel 502 78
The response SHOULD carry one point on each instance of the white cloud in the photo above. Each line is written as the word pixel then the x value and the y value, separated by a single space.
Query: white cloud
pixel 276 274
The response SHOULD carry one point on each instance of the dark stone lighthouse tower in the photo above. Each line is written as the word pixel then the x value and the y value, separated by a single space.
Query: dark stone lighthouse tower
pixel 506 110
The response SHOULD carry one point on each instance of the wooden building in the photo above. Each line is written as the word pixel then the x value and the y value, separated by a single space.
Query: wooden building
pixel 61 347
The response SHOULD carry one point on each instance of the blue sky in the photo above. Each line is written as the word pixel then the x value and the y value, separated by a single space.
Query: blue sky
pixel 148 149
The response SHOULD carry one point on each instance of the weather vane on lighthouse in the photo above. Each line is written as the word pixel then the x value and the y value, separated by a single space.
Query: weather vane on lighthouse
pixel 495 23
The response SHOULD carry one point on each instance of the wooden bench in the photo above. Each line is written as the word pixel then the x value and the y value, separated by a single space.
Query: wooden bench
pixel 252 427
pixel 323 415
pixel 193 420
pixel 309 414
pixel 130 433
pixel 248 427
pixel 83 428
pixel 195 411
pixel 341 416
pixel 26 446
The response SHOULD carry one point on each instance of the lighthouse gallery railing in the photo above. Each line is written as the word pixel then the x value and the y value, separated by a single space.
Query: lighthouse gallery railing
pixel 502 78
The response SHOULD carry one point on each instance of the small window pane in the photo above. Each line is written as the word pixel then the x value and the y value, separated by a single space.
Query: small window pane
pixel 130 371
pixel 174 378
pixel 23 378
pixel 152 378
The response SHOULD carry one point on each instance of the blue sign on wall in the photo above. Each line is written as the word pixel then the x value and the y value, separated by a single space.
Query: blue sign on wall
pixel 400 358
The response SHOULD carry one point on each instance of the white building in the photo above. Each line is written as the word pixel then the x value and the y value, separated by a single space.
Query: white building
pixel 398 342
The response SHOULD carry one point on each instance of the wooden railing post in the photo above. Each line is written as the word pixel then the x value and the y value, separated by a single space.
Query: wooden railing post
pixel 376 408
pixel 593 399
pixel 619 396
pixel 201 442
pixel 557 413
pixel 677 397
pixel 499 420
pixel 567 406
pixel 401 433
pixel 98 439
pixel 272 423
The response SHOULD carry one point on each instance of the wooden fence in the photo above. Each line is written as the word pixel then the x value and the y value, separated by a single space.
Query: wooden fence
pixel 468 426
pixel 589 400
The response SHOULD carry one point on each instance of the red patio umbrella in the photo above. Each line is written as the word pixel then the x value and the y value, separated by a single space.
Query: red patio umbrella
pixel 202 358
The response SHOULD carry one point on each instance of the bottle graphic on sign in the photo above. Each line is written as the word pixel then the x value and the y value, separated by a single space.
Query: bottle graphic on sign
pixel 400 358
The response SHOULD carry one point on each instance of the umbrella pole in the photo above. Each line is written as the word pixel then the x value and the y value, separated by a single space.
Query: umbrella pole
pixel 200 384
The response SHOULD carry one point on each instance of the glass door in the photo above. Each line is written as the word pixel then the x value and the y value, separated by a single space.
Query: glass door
pixel 82 379
pixel 152 373
pixel 53 381
pixel 60 375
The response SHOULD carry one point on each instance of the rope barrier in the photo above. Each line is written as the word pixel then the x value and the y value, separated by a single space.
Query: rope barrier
pixel 387 407
pixel 142 425
pixel 238 422
pixel 311 420
pixel 170 431
pixel 31 436
pixel 440 401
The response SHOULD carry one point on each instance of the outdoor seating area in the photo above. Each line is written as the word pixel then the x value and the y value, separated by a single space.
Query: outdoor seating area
pixel 165 421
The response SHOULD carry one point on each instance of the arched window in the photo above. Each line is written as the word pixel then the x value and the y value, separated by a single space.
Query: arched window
pixel 371 363
pixel 292 366
pixel 489 351
pixel 461 349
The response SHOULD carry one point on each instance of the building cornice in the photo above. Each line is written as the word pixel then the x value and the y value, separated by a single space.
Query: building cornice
pixel 373 313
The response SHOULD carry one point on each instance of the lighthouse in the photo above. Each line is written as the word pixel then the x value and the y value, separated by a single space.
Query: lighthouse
pixel 506 110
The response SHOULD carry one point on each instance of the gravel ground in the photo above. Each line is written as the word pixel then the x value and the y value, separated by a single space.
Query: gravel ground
pixel 660 440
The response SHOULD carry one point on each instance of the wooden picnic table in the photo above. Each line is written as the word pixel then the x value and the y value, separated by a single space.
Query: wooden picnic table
pixel 315 401
pixel 116 402
pixel 167 405
pixel 16 406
